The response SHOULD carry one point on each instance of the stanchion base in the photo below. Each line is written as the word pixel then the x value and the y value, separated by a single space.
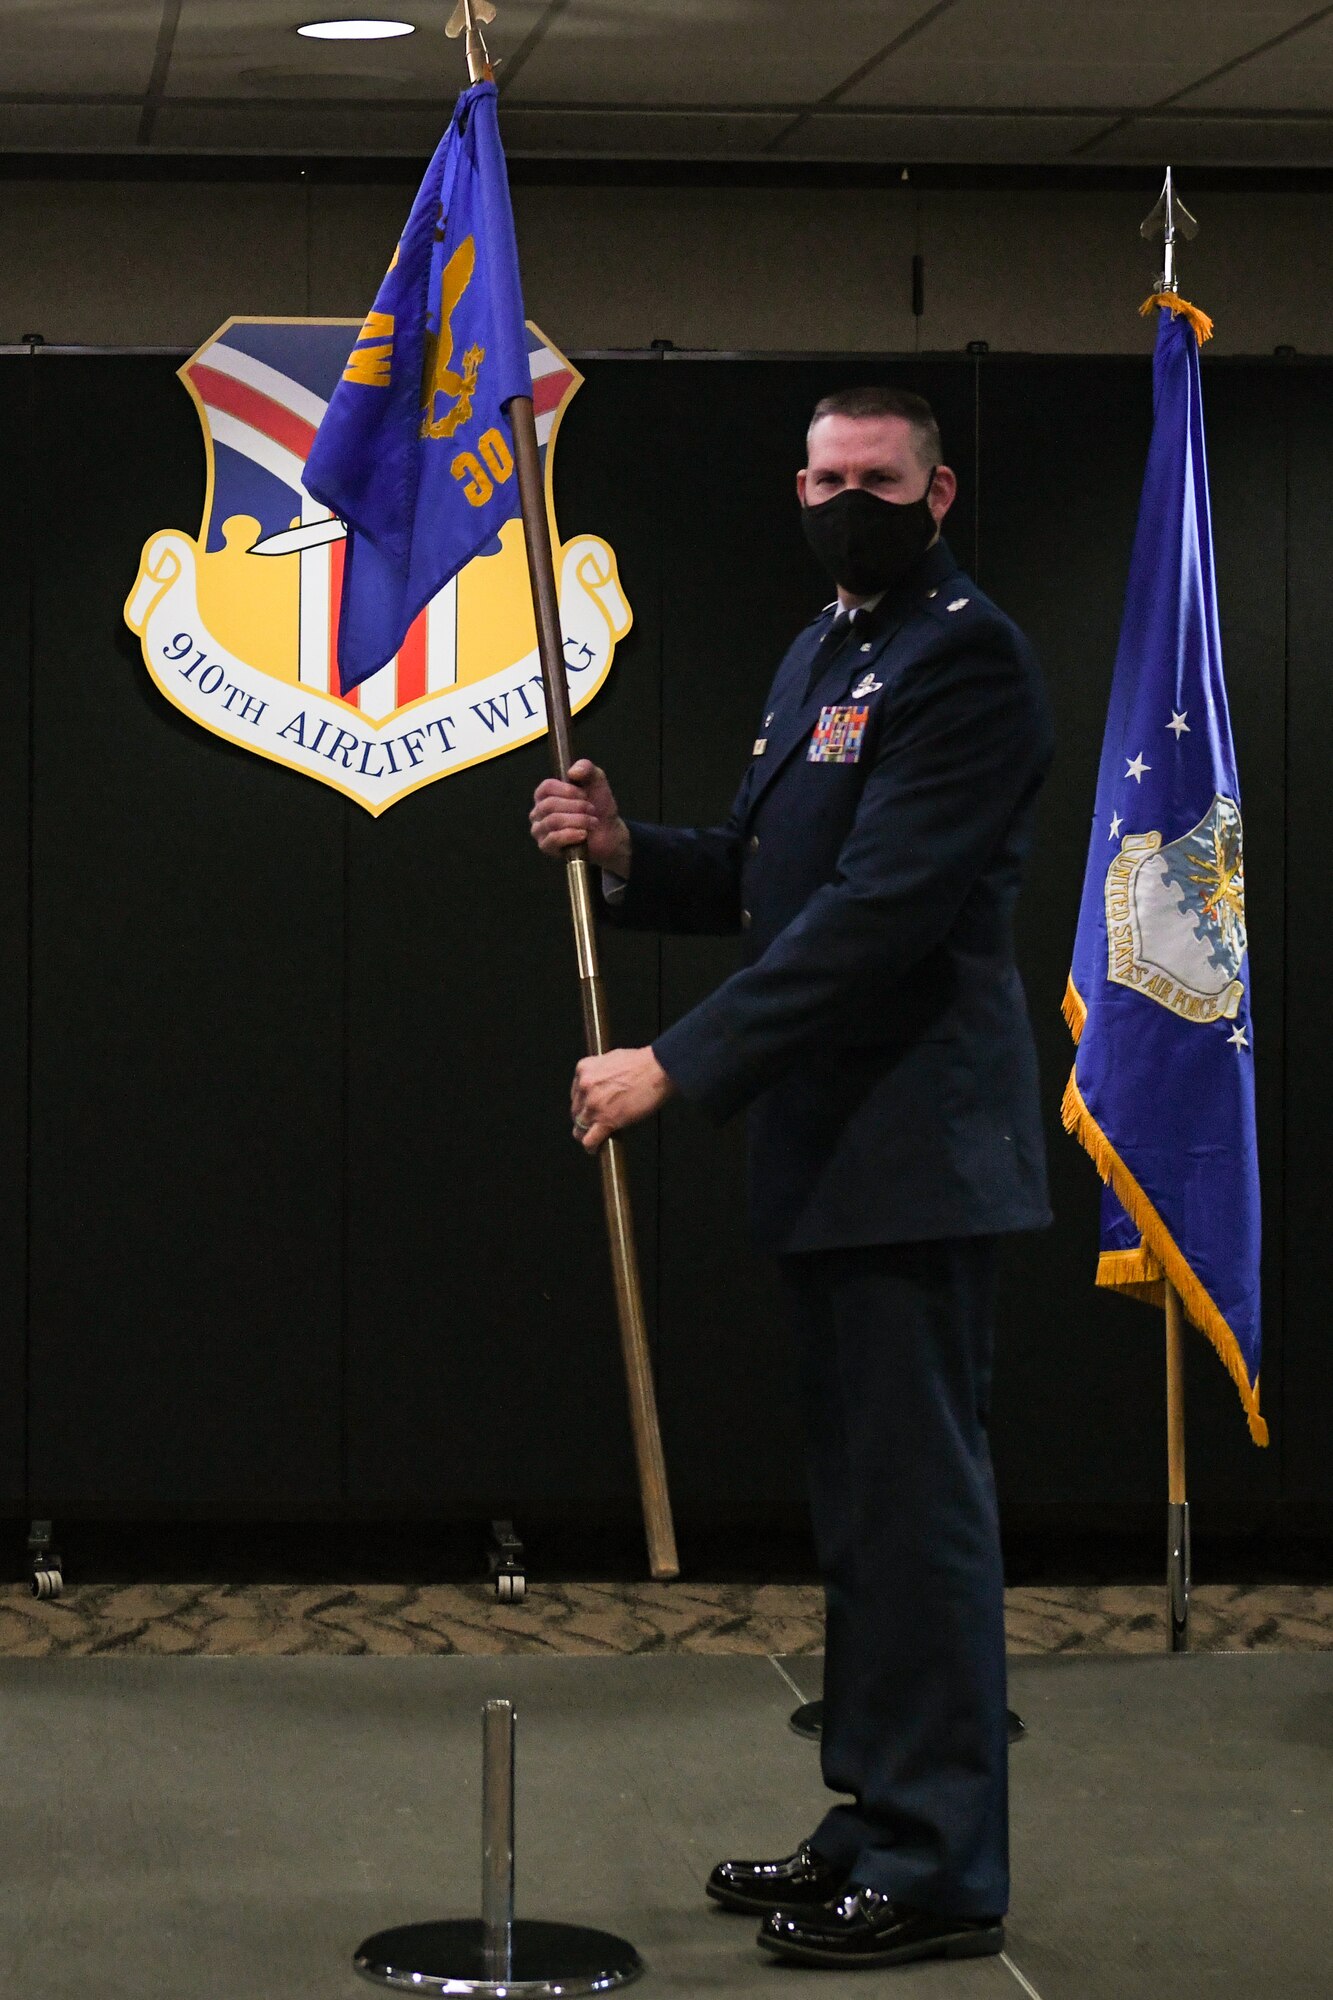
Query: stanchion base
pixel 808 1721
pixel 448 1957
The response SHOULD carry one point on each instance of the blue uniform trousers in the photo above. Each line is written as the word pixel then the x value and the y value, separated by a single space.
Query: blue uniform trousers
pixel 895 1345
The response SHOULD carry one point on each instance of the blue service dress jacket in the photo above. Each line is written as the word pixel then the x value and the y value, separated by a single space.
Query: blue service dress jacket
pixel 877 1031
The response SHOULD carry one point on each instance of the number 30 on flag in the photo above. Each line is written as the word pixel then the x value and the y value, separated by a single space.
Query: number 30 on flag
pixel 473 477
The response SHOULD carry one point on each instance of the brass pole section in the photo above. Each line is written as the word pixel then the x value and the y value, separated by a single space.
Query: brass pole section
pixel 1178 1513
pixel 465 21
pixel 596 1028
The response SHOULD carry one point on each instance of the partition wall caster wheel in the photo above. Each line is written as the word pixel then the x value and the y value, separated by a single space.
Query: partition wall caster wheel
pixel 506 1563
pixel 47 1579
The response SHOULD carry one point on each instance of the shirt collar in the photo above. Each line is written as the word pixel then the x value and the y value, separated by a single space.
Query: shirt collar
pixel 862 611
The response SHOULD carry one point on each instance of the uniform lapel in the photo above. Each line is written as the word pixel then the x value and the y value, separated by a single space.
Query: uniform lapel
pixel 789 710
pixel 795 714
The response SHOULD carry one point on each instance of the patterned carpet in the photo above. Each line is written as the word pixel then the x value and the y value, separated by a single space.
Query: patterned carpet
pixel 593 1618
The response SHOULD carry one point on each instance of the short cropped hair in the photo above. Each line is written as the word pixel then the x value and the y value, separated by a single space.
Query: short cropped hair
pixel 873 401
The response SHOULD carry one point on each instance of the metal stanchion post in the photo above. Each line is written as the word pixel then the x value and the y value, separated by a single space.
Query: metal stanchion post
pixel 496 1954
pixel 1178 1506
pixel 497 1839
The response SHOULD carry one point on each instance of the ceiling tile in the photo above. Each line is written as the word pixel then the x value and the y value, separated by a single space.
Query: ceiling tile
pixel 247 46
pixel 870 136
pixel 707 51
pixel 1295 76
pixel 1027 52
pixel 685 78
pixel 78 47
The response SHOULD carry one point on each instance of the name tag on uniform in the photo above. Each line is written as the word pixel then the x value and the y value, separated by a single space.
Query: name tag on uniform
pixel 760 745
pixel 839 734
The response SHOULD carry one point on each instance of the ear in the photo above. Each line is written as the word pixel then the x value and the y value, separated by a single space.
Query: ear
pixel 943 493
pixel 800 486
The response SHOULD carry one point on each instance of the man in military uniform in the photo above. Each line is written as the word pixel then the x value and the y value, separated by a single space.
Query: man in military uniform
pixel 877 1035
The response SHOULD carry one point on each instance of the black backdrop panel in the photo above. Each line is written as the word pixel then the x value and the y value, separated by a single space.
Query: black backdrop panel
pixel 1078 1387
pixel 484 1359
pixel 17 533
pixel 308 1233
pixel 186 1031
pixel 1301 1232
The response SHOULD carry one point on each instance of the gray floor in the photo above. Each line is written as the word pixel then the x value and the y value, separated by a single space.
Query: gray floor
pixel 231 1828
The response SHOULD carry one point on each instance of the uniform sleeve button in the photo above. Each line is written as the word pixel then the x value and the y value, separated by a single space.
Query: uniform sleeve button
pixel 745 920
pixel 754 843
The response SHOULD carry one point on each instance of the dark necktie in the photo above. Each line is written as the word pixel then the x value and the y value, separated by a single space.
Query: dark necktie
pixel 830 644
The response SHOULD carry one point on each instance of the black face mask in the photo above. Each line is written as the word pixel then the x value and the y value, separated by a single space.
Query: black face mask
pixel 867 544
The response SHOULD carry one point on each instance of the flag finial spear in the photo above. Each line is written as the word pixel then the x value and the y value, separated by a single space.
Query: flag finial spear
pixel 1169 220
pixel 467 16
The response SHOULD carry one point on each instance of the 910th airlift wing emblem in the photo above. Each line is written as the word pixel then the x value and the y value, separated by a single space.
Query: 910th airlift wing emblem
pixel 239 624
pixel 1175 917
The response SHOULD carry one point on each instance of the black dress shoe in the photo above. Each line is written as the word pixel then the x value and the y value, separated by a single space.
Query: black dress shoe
pixel 864 1928
pixel 800 1881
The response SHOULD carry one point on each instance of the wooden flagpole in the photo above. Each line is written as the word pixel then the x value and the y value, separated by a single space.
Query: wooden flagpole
pixel 1172 220
pixel 1178 1506
pixel 644 1424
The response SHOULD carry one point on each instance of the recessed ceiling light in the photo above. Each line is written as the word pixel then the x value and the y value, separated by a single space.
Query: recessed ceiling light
pixel 356 31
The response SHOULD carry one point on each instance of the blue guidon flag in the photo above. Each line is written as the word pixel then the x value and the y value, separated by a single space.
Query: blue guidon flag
pixel 415 451
pixel 1162 1090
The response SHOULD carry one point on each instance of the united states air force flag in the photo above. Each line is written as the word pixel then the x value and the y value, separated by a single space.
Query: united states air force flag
pixel 1162 1091
pixel 415 450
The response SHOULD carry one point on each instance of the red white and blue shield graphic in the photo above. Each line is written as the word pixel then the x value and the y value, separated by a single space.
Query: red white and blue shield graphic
pixel 239 625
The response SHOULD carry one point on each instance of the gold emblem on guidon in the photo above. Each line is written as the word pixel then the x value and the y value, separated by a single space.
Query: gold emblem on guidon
pixel 437 377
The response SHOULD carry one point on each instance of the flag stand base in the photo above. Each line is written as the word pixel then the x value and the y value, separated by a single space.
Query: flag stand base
pixel 808 1721
pixel 494 1954
pixel 450 1957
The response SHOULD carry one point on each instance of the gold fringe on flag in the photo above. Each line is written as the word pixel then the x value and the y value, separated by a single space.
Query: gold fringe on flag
pixel 1199 320
pixel 1074 1011
pixel 1136 1273
pixel 1140 1273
